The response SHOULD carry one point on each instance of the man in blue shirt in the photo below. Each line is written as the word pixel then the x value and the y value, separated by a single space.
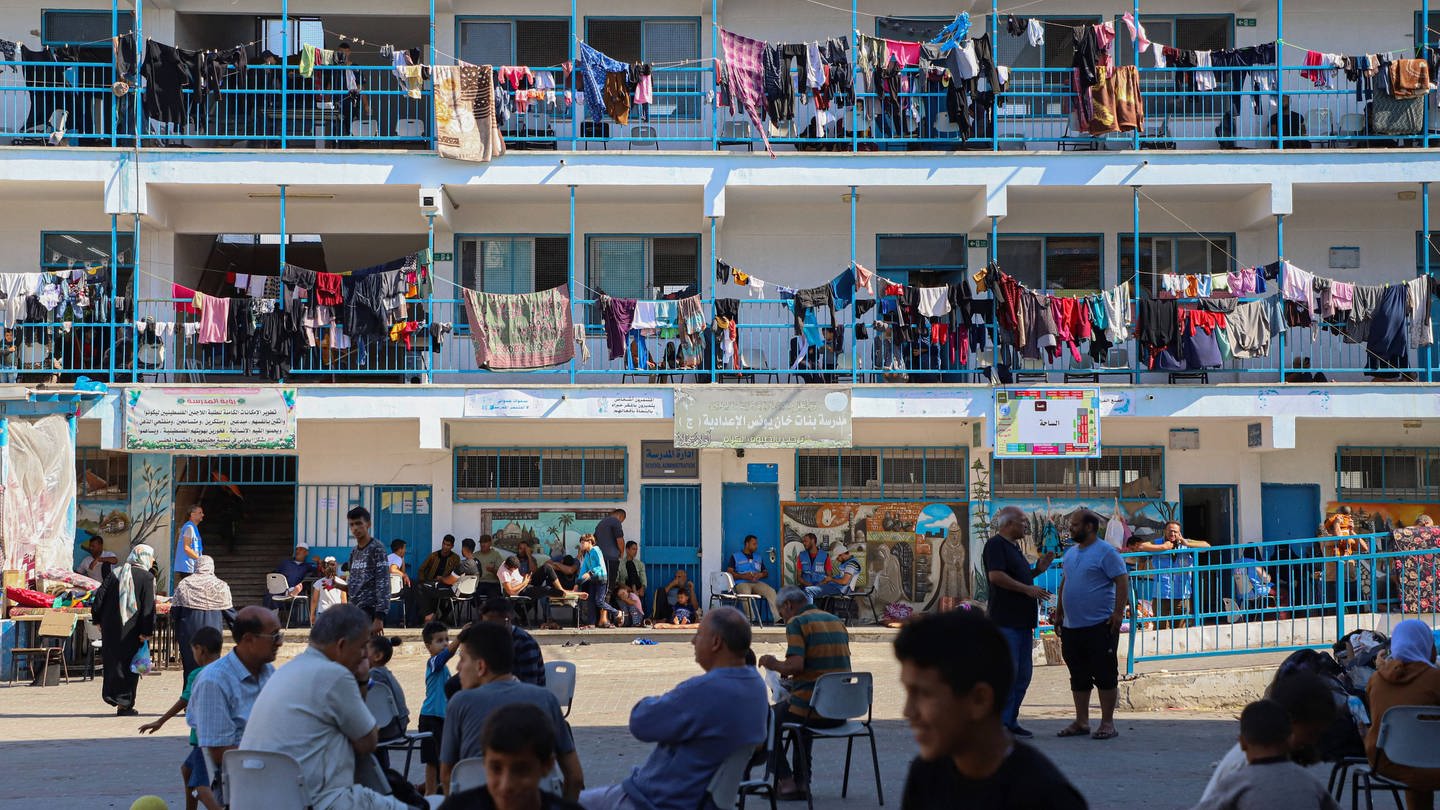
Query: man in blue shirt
pixel 843 581
pixel 1093 594
pixel 188 546
pixel 696 726
pixel 749 574
pixel 225 691
pixel 296 570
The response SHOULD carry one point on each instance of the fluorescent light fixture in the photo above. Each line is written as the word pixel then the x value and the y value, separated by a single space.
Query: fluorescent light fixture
pixel 289 195
pixel 71 238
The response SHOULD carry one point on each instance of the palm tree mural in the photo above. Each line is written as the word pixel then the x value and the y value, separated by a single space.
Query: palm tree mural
pixel 565 521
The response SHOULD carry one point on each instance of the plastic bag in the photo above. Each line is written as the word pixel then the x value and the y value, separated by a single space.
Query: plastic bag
pixel 141 663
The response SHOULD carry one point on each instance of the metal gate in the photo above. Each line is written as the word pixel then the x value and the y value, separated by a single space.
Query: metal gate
pixel 397 512
pixel 403 512
pixel 670 533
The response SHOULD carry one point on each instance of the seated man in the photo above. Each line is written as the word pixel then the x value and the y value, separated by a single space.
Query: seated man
pixel 631 571
pixel 296 570
pixel 679 583
pixel 1252 581
pixel 696 726
pixel 519 750
pixel 515 583
pixel 91 566
pixel 313 710
pixel 486 657
pixel 566 567
pixel 1293 124
pixel 437 568
pixel 843 581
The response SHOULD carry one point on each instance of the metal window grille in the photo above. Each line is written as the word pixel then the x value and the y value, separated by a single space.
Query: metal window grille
pixel 1388 474
pixel 883 474
pixel 102 474
pixel 504 474
pixel 1127 473
pixel 196 470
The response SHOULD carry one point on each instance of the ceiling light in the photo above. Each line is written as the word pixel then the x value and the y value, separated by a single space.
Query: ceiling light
pixel 289 195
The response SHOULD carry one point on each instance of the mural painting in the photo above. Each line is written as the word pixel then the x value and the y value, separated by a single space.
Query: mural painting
pixel 104 510
pixel 1382 517
pixel 555 533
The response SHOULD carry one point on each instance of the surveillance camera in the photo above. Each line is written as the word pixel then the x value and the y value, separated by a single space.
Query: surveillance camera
pixel 430 200
pixel 562 161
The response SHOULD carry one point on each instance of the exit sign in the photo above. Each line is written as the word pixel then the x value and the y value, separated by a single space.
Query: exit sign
pixel 444 257
pixel 979 243
pixel 1244 22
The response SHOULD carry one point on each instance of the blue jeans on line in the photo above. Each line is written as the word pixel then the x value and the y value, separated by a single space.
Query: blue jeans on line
pixel 1022 645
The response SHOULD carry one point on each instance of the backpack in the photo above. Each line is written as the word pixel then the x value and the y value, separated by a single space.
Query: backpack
pixel 1342 739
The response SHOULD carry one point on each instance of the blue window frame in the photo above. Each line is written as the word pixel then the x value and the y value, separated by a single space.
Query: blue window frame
pixel 82 27
pixel 883 474
pixel 1387 474
pixel 536 42
pixel 641 266
pixel 560 474
pixel 928 259
pixel 1182 253
pixel 513 263
pixel 670 44
pixel 1062 261
pixel 1123 473
pixel 69 250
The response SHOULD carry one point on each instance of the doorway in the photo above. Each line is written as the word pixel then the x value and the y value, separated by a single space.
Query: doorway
pixel 1207 512
pixel 670 528
pixel 249 504
pixel 752 509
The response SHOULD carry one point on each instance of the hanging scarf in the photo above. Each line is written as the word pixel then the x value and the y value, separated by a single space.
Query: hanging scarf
pixel 143 556
pixel 203 590
pixel 747 78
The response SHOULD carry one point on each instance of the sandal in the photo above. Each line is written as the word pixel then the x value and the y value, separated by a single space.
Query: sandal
pixel 1105 735
pixel 1073 730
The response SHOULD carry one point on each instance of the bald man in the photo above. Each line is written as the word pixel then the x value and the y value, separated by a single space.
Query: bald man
pixel 1015 604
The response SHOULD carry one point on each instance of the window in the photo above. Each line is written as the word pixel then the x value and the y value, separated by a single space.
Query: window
pixel 1054 57
pixel 65 251
pixel 1127 473
pixel 1431 36
pixel 926 260
pixel 1388 474
pixel 1184 255
pixel 530 42
pixel 1193 32
pixel 542 473
pixel 882 473
pixel 101 474
pixel 92 28
pixel 643 266
pixel 302 31
pixel 1052 262
pixel 913 29
pixel 518 264
pixel 672 44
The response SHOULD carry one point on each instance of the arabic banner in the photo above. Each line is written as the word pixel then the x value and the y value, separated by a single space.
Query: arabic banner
pixel 772 416
pixel 1049 422
pixel 210 419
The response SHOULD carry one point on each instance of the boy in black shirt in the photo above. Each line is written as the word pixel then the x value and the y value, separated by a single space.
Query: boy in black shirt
pixel 956 671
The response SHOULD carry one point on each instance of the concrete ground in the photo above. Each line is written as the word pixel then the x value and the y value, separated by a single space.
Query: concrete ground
pixel 61 746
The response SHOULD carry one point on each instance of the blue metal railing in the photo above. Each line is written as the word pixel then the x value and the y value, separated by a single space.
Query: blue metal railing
pixel 1272 596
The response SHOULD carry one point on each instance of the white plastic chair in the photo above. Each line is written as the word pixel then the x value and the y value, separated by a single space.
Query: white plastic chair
pixel 467 774
pixel 365 128
pixel 263 780
pixel 1352 125
pixel 1409 737
pixel 381 703
pixel 277 586
pixel 560 680
pixel 841 696
pixel 765 785
pixel 462 594
pixel 724 787
pixel 409 128
pixel 397 586
pixel 722 590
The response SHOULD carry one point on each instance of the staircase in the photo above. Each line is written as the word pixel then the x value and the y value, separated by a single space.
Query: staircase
pixel 264 537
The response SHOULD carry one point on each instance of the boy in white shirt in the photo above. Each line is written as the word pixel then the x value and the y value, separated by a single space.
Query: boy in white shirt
pixel 328 590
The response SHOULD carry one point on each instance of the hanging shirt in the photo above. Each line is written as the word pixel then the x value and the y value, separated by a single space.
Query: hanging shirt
pixel 1204 77
pixel 934 301
pixel 646 315
pixel 214 320
pixel 1299 286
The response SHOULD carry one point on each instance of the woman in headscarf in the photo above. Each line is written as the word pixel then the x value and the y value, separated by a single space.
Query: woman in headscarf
pixel 201 600
pixel 125 607
pixel 1405 677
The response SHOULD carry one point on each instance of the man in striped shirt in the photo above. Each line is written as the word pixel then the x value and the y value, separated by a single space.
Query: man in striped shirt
pixel 843 581
pixel 818 643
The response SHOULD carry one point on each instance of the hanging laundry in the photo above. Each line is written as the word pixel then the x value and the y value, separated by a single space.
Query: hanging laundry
pixel 1417 292
pixel 214 319
pixel 1387 347
pixel 529 330
pixel 1117 313
pixel 465 127
pixel 1204 76
pixel 413 77
pixel 615 94
pixel 934 301
pixel 594 68
pixel 1116 105
pixel 187 302
pixel 747 80
pixel 864 279
pixel 1298 286
pixel 1035 30
pixel 646 315
pixel 1137 33
pixel 616 315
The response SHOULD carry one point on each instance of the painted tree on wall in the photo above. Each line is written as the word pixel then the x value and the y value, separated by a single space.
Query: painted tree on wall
pixel 154 503
pixel 980 520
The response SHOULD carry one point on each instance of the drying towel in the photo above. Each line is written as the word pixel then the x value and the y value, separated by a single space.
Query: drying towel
pixel 328 291
pixel 530 330
pixel 934 301
pixel 744 66
pixel 188 301
pixel 465 127
pixel 1137 33
pixel 214 320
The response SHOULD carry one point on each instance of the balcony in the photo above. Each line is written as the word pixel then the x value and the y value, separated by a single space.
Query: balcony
pixel 270 107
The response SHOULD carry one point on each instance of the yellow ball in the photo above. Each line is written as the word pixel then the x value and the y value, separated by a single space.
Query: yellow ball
pixel 149 803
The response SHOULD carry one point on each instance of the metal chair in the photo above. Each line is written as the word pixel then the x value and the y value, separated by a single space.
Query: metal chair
pixel 1410 738
pixel 645 136
pixel 467 774
pixel 722 590
pixel 843 696
pixel 381 703
pixel 560 680
pixel 397 588
pixel 736 133
pixel 263 780
pixel 765 785
pixel 462 594
pixel 278 588
pixel 573 605
pixel 56 626
pixel 829 604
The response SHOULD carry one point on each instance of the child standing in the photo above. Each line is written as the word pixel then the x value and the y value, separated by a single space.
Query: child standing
pixel 432 712
pixel 205 645
pixel 328 590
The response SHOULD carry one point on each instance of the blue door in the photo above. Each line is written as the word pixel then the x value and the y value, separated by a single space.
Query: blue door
pixel 752 509
pixel 670 534
pixel 403 513
pixel 1289 511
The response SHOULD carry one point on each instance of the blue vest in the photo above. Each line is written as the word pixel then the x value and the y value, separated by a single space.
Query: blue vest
pixel 812 572
pixel 745 565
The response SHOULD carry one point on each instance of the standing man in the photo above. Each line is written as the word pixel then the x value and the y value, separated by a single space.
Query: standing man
pixel 749 573
pixel 313 710
pixel 369 580
pixel 396 562
pixel 610 539
pixel 1172 590
pixel 817 643
pixel 1014 605
pixel 433 572
pixel 696 725
pixel 844 579
pixel 489 559
pixel 1093 595
pixel 90 567
pixel 952 666
pixel 812 566
pixel 225 691
pixel 188 546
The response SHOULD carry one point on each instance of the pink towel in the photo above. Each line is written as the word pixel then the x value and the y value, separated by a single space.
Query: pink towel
pixel 906 53
pixel 643 92
pixel 214 319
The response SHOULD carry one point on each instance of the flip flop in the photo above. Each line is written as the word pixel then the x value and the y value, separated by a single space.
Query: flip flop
pixel 1105 735
pixel 1073 731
